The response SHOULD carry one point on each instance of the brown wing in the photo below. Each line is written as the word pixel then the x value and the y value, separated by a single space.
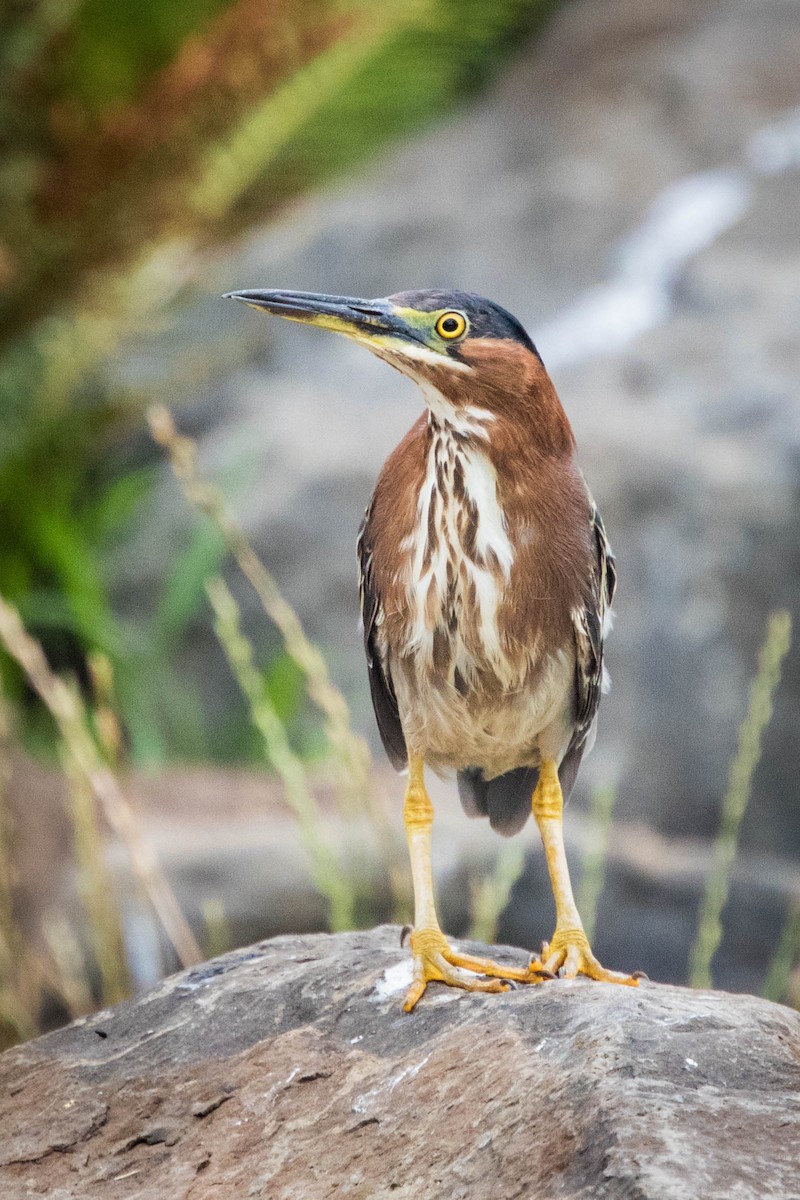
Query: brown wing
pixel 384 700
pixel 589 627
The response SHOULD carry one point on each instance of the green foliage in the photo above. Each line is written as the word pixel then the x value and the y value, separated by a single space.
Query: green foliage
pixel 491 894
pixel 116 46
pixel 125 128
pixel 435 50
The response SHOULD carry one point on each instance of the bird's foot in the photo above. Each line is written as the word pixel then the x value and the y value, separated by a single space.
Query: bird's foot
pixel 436 960
pixel 569 954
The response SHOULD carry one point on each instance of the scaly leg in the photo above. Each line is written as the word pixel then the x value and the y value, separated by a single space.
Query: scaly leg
pixel 569 948
pixel 434 959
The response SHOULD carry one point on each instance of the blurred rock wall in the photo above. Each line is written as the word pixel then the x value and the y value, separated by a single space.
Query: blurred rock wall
pixel 631 190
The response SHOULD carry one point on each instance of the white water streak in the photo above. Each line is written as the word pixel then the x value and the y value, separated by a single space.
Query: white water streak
pixel 684 219
pixel 688 216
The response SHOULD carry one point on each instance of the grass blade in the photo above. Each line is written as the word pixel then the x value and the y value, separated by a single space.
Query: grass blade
pixel 67 710
pixel 491 895
pixel 327 874
pixel 594 864
pixel 781 981
pixel 709 933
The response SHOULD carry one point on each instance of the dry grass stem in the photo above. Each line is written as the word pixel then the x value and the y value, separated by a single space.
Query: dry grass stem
pixel 326 872
pixel 594 864
pixel 15 1010
pixel 6 908
pixel 709 934
pixel 64 969
pixel 69 714
pixel 94 884
pixel 351 754
pixel 26 974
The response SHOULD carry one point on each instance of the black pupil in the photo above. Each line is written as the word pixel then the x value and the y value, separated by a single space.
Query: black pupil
pixel 450 324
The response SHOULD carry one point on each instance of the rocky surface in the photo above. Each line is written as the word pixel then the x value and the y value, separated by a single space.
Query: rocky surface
pixel 288 1071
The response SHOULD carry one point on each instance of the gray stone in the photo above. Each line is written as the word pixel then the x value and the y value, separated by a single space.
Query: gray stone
pixel 289 1071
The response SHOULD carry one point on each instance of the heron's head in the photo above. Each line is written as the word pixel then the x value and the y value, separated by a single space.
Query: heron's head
pixel 454 343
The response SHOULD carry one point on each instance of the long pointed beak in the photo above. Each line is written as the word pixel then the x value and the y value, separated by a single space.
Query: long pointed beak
pixel 360 319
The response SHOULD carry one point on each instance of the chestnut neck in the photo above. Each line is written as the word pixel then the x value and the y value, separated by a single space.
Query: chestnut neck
pixel 506 404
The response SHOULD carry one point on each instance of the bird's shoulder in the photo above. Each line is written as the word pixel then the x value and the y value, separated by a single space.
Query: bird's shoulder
pixel 392 510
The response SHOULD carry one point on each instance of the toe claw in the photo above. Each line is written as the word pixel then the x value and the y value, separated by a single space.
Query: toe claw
pixel 537 967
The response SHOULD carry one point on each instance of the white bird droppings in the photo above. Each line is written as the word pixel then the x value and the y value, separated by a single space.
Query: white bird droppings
pixel 394 979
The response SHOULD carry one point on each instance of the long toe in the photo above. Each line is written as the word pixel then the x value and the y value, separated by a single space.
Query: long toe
pixel 486 966
pixel 435 961
pixel 569 954
pixel 433 967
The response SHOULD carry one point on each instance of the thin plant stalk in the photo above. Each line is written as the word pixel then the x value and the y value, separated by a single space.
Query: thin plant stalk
pixel 593 874
pixel 15 1014
pixel 709 933
pixel 326 872
pixel 69 714
pixel 95 888
pixel 67 966
pixel 492 894
pixel 6 904
pixel 26 974
pixel 217 930
pixel 780 977
pixel 793 988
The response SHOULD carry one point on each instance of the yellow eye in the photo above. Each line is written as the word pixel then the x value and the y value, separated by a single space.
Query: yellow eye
pixel 451 325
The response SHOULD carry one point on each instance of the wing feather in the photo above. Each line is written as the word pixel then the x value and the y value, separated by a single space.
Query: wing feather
pixel 590 624
pixel 384 700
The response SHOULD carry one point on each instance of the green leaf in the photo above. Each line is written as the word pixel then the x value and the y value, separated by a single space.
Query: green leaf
pixel 184 591
pixel 285 685
pixel 118 501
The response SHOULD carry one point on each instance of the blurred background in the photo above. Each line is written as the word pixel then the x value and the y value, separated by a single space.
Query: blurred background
pixel 188 758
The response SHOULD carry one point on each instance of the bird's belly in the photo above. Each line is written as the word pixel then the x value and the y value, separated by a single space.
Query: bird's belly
pixel 487 725
pixel 475 685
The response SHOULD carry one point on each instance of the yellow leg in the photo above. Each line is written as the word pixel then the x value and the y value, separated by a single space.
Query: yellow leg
pixel 569 951
pixel 434 959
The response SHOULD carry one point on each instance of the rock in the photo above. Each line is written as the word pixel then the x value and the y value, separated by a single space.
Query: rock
pixel 288 1070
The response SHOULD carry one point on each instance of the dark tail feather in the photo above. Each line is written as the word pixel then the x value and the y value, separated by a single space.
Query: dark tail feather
pixel 568 771
pixel 506 800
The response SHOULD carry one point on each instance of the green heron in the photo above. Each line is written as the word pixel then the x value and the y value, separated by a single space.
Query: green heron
pixel 486 586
